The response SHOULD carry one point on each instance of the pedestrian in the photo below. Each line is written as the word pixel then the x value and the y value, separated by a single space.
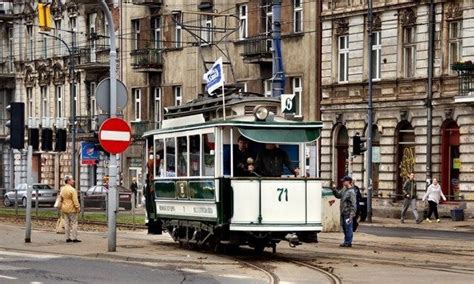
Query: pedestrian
pixel 154 224
pixel 60 222
pixel 358 207
pixel 433 195
pixel 347 208
pixel 134 188
pixel 70 207
pixel 410 196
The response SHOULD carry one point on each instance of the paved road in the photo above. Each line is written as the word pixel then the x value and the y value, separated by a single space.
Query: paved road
pixel 408 232
pixel 35 268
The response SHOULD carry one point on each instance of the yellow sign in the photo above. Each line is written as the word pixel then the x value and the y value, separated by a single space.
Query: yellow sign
pixel 456 163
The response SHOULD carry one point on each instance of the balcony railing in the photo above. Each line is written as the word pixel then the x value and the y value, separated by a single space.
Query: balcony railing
pixel 95 54
pixel 7 67
pixel 140 127
pixel 148 2
pixel 258 47
pixel 149 59
pixel 466 81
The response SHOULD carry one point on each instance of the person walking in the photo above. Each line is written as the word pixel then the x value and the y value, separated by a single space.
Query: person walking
pixel 347 208
pixel 433 195
pixel 70 207
pixel 134 189
pixel 409 193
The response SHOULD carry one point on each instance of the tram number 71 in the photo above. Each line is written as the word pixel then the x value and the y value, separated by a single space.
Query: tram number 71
pixel 282 190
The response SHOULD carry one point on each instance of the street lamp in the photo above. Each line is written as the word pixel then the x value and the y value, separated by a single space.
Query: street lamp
pixel 72 76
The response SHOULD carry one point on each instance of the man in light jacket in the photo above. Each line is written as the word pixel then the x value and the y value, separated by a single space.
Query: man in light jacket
pixel 347 207
pixel 70 207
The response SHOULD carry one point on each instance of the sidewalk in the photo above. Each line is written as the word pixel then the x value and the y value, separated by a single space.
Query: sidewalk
pixel 446 224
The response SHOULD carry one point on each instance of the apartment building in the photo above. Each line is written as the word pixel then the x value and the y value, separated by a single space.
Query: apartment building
pixel 401 93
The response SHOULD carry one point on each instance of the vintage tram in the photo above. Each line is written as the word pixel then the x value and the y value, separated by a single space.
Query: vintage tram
pixel 200 200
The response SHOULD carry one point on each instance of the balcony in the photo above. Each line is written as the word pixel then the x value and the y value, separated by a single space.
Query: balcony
pixel 257 50
pixel 6 11
pixel 466 82
pixel 147 60
pixel 140 127
pixel 148 2
pixel 95 56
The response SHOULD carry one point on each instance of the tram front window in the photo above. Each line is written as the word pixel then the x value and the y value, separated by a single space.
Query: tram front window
pixel 170 157
pixel 182 156
pixel 158 158
pixel 209 155
pixel 195 153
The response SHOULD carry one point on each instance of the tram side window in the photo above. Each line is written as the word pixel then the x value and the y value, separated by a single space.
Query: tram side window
pixel 158 159
pixel 182 156
pixel 194 156
pixel 170 157
pixel 209 155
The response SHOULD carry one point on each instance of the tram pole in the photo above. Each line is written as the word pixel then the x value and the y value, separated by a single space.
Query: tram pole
pixel 369 114
pixel 112 196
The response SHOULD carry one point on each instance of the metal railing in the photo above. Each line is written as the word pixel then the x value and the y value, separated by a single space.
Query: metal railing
pixel 466 78
pixel 95 51
pixel 257 46
pixel 7 67
pixel 147 58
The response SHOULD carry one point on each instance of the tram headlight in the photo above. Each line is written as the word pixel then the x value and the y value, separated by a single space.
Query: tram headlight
pixel 260 113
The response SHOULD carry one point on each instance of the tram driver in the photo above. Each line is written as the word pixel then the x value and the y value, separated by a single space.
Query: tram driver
pixel 270 161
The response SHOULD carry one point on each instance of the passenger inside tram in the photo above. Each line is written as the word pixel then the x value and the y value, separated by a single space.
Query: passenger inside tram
pixel 242 158
pixel 270 162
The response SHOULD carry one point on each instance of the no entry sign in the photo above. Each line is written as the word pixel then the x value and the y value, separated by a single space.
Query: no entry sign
pixel 114 135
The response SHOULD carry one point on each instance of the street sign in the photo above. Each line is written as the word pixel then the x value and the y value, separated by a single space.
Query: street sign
pixel 115 135
pixel 288 104
pixel 103 95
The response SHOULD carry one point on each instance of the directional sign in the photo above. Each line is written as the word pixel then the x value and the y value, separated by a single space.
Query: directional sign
pixel 115 135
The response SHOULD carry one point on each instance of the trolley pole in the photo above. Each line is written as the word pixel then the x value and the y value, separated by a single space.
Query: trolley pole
pixel 369 114
pixel 112 196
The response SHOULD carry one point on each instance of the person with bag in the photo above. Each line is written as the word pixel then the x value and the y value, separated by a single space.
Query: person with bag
pixel 409 193
pixel 347 208
pixel 433 195
pixel 60 222
pixel 70 207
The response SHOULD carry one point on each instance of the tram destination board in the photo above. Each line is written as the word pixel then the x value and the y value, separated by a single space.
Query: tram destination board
pixel 115 135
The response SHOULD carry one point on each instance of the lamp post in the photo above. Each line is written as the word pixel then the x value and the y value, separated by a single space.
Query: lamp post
pixel 72 78
pixel 369 113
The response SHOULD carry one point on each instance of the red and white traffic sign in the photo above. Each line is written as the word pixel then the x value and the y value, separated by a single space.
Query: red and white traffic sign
pixel 115 135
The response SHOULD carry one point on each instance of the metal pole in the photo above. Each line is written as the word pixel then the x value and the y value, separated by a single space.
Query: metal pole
pixel 278 84
pixel 36 202
pixel 29 179
pixel 369 114
pixel 72 67
pixel 16 203
pixel 112 208
pixel 133 210
pixel 429 106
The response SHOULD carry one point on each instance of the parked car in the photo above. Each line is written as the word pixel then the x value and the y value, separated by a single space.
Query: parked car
pixel 95 196
pixel 46 195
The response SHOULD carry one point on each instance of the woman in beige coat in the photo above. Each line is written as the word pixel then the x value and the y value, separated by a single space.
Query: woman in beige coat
pixel 70 207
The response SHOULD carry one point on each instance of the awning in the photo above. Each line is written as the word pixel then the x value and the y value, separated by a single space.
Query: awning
pixel 281 136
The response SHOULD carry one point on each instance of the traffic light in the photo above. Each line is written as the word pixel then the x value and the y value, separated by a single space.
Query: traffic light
pixel 61 136
pixel 45 21
pixel 358 145
pixel 33 138
pixel 46 139
pixel 17 125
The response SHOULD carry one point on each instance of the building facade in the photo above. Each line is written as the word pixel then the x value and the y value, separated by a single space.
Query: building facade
pixel 401 94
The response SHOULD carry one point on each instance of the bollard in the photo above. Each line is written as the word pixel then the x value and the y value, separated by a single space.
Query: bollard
pixel 106 206
pixel 36 204
pixel 81 197
pixel 133 211
pixel 16 203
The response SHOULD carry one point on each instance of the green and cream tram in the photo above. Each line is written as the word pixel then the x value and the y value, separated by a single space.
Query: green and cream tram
pixel 200 201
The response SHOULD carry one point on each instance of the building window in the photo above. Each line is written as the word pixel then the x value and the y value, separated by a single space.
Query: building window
pixel 206 31
pixel 137 104
pixel 30 48
pixel 297 85
pixel 135 34
pixel 178 36
pixel 455 42
pixel 267 87
pixel 157 32
pixel 44 101
pixel 59 101
pixel 157 106
pixel 72 24
pixel 243 19
pixel 268 16
pixel 343 69
pixel 93 101
pixel 29 98
pixel 376 55
pixel 297 16
pixel 178 96
pixel 57 32
pixel 409 51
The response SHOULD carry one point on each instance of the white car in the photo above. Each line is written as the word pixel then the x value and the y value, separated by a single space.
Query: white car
pixel 46 195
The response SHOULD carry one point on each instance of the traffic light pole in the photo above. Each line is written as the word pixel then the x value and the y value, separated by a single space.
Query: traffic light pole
pixel 112 196
pixel 29 189
pixel 369 114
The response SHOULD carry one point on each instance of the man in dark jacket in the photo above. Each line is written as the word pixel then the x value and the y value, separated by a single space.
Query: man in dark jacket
pixel 134 188
pixel 241 158
pixel 347 208
pixel 409 193
pixel 270 161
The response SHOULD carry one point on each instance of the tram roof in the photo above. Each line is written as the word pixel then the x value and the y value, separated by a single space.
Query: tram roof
pixel 278 130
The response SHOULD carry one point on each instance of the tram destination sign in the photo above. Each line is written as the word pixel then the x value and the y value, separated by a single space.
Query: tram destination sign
pixel 115 135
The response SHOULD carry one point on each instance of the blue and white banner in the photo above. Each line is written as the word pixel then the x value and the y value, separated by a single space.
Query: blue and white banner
pixel 214 77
